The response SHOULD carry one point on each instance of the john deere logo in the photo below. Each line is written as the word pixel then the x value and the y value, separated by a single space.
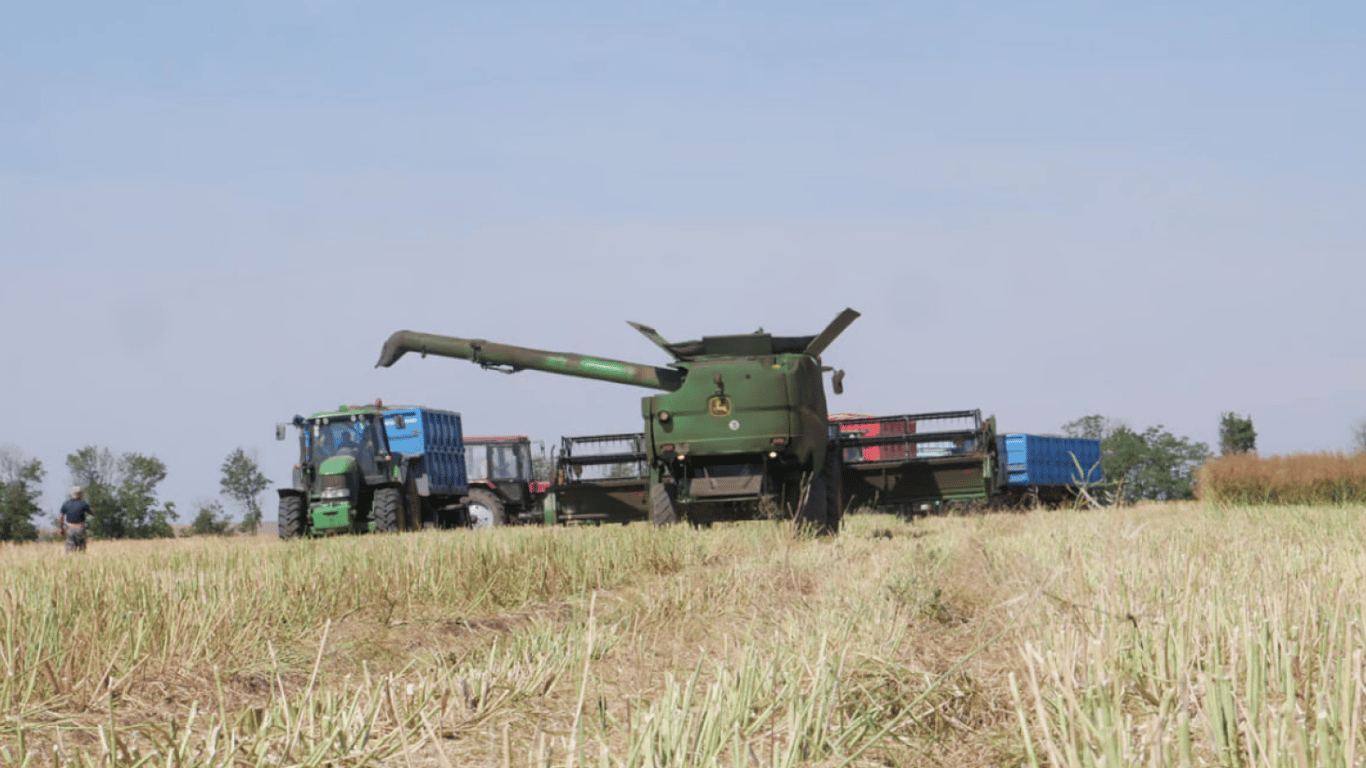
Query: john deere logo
pixel 719 407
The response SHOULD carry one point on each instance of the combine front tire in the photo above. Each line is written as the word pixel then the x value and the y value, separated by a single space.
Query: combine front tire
pixel 663 507
pixel 486 509
pixel 834 490
pixel 388 507
pixel 290 520
pixel 820 508
pixel 811 515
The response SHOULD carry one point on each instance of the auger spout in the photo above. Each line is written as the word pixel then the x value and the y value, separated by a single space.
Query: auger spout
pixel 511 359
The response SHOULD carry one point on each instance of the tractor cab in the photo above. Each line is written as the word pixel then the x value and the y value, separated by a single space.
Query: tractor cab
pixel 503 480
pixel 359 437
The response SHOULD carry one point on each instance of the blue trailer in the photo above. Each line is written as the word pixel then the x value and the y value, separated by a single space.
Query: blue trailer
pixel 375 468
pixel 433 443
pixel 1048 460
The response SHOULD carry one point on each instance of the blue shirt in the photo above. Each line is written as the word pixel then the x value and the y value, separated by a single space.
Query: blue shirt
pixel 75 510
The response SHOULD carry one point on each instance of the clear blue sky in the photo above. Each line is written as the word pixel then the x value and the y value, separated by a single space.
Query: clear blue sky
pixel 212 215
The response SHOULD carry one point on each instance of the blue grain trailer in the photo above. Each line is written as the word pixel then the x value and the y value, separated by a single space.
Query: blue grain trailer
pixel 375 468
pixel 1047 468
pixel 1049 460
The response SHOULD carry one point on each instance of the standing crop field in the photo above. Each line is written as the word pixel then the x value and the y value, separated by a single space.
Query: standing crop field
pixel 1160 635
pixel 1301 478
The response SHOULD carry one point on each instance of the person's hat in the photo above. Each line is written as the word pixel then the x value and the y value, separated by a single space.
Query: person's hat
pixel 75 491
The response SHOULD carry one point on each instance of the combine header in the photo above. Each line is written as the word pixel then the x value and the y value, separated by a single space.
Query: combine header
pixel 917 458
pixel 601 479
pixel 922 460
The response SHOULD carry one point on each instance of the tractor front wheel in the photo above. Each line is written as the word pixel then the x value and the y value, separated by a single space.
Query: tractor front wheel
pixel 290 520
pixel 486 509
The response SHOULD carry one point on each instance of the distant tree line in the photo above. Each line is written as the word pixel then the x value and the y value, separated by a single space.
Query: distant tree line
pixel 122 489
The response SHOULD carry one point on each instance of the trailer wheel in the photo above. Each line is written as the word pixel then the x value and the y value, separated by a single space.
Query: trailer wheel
pixel 290 519
pixel 663 506
pixel 486 509
pixel 388 506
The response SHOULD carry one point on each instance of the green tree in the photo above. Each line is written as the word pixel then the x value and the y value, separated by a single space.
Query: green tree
pixel 626 469
pixel 1236 434
pixel 541 468
pixel 243 482
pixel 210 520
pixel 21 483
pixel 1153 464
pixel 1093 427
pixel 122 492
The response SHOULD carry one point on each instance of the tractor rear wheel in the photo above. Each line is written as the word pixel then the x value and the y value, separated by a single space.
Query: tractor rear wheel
pixel 419 511
pixel 290 519
pixel 388 510
pixel 663 506
pixel 486 509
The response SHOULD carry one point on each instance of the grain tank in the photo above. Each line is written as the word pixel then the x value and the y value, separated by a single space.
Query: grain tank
pixel 739 430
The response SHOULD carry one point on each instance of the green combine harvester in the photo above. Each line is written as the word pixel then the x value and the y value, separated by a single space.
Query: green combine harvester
pixel 740 431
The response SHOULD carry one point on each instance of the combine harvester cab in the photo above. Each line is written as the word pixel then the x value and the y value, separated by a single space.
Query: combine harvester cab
pixel 739 432
pixel 370 468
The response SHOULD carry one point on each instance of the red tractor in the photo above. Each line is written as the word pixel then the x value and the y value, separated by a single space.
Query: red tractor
pixel 504 487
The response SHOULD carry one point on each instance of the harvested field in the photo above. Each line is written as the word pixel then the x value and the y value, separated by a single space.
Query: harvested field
pixel 1152 635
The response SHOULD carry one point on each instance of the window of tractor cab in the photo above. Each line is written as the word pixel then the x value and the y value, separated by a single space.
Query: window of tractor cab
pixel 494 461
pixel 330 437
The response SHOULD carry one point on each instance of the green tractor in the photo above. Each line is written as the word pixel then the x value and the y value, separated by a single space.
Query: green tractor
pixel 370 468
pixel 740 431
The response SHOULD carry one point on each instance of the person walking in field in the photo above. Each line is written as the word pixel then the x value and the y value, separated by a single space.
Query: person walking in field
pixel 73 519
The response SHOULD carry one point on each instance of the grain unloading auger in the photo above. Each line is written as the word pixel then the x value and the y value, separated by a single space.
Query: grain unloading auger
pixel 740 430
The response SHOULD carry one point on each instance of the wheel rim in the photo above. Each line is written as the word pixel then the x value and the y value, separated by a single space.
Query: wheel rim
pixel 480 516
